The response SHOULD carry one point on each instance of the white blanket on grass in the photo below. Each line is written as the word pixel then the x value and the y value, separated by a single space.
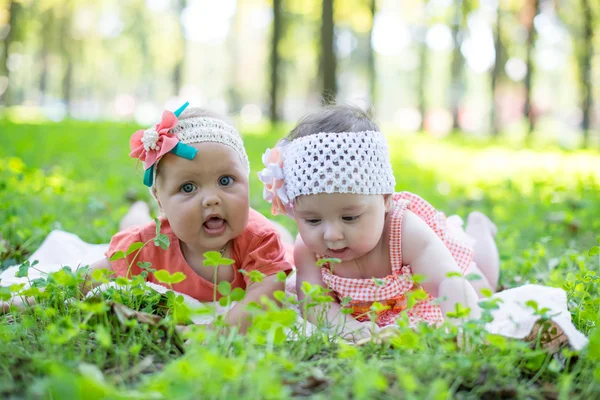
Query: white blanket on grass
pixel 513 319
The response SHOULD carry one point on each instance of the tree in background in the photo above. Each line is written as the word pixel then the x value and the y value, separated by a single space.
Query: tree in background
pixel 371 66
pixel 498 70
pixel 459 18
pixel 179 68
pixel 328 59
pixel 586 50
pixel 275 62
pixel 14 33
pixel 530 10
pixel 421 32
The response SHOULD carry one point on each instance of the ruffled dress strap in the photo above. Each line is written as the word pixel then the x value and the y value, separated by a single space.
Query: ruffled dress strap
pixel 461 251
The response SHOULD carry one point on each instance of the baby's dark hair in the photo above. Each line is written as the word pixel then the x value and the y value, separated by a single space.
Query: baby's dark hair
pixel 334 119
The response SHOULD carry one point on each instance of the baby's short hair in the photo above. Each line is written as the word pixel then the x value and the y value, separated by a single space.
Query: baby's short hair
pixel 334 119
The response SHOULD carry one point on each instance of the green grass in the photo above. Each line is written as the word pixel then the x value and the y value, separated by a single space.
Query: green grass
pixel 76 176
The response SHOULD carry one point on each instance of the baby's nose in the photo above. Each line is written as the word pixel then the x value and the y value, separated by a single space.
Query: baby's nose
pixel 332 233
pixel 211 200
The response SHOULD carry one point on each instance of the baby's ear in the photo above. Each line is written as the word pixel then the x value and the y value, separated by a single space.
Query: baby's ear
pixel 155 195
pixel 388 201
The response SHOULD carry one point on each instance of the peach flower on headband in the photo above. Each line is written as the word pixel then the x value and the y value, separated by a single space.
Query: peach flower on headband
pixel 273 179
pixel 151 144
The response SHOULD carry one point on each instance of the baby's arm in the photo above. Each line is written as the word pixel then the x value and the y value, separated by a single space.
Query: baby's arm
pixel 427 255
pixel 307 270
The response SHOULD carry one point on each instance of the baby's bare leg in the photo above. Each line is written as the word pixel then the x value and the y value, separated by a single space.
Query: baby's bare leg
pixel 483 230
pixel 138 215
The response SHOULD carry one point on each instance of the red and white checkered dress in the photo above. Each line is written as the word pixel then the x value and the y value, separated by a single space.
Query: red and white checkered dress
pixel 391 291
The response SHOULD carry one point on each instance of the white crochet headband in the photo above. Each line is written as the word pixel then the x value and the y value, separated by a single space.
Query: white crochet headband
pixel 348 162
pixel 205 129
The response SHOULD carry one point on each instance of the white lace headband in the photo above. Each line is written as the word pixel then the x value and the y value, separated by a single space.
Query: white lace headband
pixel 348 162
pixel 204 129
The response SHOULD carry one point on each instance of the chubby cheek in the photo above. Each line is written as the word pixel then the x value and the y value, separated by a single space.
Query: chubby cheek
pixel 311 238
pixel 238 211
pixel 367 237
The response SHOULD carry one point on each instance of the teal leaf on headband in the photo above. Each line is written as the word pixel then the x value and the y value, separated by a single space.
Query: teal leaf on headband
pixel 185 151
pixel 180 109
pixel 148 175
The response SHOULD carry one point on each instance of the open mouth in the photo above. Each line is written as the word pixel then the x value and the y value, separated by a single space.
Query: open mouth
pixel 339 253
pixel 214 225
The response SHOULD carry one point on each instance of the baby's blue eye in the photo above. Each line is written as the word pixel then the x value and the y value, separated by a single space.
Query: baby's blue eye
pixel 188 188
pixel 350 219
pixel 226 180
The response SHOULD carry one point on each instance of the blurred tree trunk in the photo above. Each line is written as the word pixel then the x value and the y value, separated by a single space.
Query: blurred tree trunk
pixel 46 32
pixel 530 10
pixel 422 77
pixel 456 85
pixel 328 60
pixel 233 92
pixel 371 61
pixel 585 69
pixel 275 62
pixel 180 64
pixel 67 47
pixel 14 10
pixel 496 71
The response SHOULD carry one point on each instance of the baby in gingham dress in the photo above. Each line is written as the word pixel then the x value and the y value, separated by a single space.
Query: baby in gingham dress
pixel 333 175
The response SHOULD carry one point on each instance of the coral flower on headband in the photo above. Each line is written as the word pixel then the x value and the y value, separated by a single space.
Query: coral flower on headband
pixel 273 178
pixel 151 144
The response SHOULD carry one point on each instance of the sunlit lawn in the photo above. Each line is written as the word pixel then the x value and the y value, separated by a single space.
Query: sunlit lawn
pixel 75 176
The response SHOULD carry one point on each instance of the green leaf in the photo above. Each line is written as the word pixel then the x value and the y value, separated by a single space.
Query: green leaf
pixel 224 288
pixel 256 276
pixel 533 304
pixel 5 293
pixel 100 275
pixel 23 270
pixel 486 292
pixel 281 276
pixel 454 275
pixel 214 259
pixel 496 341
pixel 146 266
pixel 322 261
pixel 118 255
pixel 594 251
pixel 162 241
pixel 121 281
pixel 157 222
pixel 163 276
pixel 238 294
pixel 418 278
pixel 133 247
pixel 177 277
pixel 473 277
pixel 279 295
pixel 103 336
pixel 224 301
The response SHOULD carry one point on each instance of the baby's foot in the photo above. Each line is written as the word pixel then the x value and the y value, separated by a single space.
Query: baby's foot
pixel 138 215
pixel 479 218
